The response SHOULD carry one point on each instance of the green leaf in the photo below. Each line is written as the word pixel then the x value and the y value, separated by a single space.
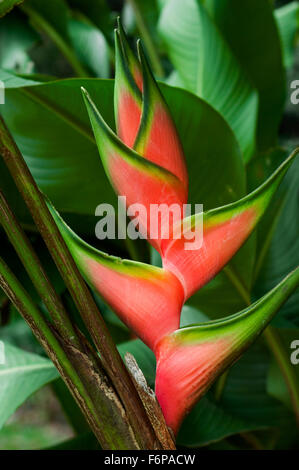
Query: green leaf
pixel 278 234
pixel 97 11
pixel 149 11
pixel 287 18
pixel 7 5
pixel 52 19
pixel 91 46
pixel 276 383
pixel 21 375
pixel 250 30
pixel 83 442
pixel 208 68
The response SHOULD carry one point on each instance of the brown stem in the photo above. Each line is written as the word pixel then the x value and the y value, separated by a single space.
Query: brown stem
pixel 112 361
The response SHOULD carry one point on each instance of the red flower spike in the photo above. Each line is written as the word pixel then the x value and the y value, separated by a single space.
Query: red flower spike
pixel 146 164
pixel 147 299
pixel 190 359
pixel 225 229
pixel 152 183
pixel 127 89
pixel 157 139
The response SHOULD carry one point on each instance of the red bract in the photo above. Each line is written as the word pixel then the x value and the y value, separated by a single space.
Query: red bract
pixel 145 163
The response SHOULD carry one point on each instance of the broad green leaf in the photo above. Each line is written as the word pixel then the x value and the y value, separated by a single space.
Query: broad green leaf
pixel 7 5
pixel 53 19
pixel 82 442
pixel 287 18
pixel 250 30
pixel 208 68
pixel 244 405
pixel 245 392
pixel 149 11
pixel 276 384
pixel 278 246
pixel 21 375
pixel 174 79
pixel 70 408
pixel 11 80
pixel 91 46
pixel 98 12
pixel 209 422
pixel 191 315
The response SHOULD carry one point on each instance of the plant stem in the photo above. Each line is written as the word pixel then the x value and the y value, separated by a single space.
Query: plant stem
pixel 283 361
pixel 82 297
pixel 41 24
pixel 36 273
pixel 147 38
pixel 237 283
pixel 98 410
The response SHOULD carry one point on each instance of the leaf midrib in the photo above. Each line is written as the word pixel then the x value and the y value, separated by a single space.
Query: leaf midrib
pixel 25 368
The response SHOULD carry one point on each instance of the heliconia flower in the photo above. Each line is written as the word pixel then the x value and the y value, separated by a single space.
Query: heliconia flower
pixel 146 298
pixel 152 183
pixel 157 139
pixel 143 120
pixel 224 231
pixel 147 149
pixel 145 163
pixel 189 360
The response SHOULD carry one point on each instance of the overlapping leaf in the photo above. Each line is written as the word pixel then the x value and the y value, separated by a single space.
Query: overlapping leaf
pixel 253 37
pixel 208 68
pixel 21 375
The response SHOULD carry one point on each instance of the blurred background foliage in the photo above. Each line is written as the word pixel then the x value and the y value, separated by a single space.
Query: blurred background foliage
pixel 59 39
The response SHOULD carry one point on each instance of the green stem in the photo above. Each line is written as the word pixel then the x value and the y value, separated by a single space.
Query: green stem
pixel 36 272
pixel 82 297
pixel 147 38
pixel 41 24
pixel 220 384
pixel 44 334
pixel 283 361
pixel 239 286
